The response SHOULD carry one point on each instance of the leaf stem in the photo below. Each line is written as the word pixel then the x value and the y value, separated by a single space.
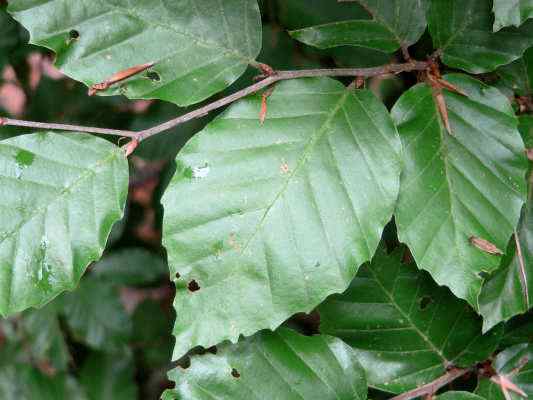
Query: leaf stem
pixel 432 387
pixel 202 111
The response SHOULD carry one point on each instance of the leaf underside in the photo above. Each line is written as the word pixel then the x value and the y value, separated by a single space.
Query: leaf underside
pixel 276 217
pixel 453 188
pixel 199 47
pixel 60 196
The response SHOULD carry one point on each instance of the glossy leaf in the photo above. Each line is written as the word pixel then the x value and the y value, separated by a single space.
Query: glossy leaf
pixel 395 23
pixel 514 364
pixel 199 47
pixel 509 291
pixel 107 377
pixel 273 365
pixel 61 195
pixel 96 316
pixel 511 12
pixel 453 188
pixel 276 217
pixel 462 31
pixel 405 329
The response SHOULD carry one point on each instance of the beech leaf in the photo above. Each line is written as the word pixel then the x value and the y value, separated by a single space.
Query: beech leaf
pixel 405 329
pixel 281 365
pixel 61 194
pixel 453 188
pixel 276 217
pixel 198 47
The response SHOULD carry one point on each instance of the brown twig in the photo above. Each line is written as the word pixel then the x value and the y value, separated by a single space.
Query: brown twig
pixel 274 77
pixel 432 387
pixel 65 127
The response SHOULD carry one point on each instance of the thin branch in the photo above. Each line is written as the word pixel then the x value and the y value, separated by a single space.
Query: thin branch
pixel 64 127
pixel 280 76
pixel 270 79
pixel 432 387
pixel 522 268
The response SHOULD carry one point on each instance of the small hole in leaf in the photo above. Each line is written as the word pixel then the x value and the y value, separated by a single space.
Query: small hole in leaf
pixel 235 373
pixel 483 275
pixel 425 302
pixel 178 275
pixel 73 34
pixel 193 286
pixel 153 76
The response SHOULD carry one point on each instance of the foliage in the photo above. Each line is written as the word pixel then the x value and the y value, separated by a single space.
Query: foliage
pixel 360 229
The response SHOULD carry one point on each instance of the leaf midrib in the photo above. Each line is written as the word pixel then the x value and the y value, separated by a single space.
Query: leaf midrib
pixel 309 148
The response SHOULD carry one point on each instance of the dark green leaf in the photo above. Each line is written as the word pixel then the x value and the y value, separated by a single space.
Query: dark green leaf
pixel 152 333
pixel 395 23
pixel 107 377
pixel 519 74
pixel 22 382
pixel 130 266
pixel 273 365
pixel 276 217
pixel 518 330
pixel 462 30
pixel 96 316
pixel 405 329
pixel 459 185
pixel 61 194
pixel 43 334
pixel 511 12
pixel 514 364
pixel 199 47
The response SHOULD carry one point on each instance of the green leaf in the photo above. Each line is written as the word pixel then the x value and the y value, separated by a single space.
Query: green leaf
pixel 516 365
pixel 452 187
pixel 130 266
pixel 509 291
pixel 519 74
pixel 405 329
pixel 273 365
pixel 10 36
pixel 276 217
pixel 511 12
pixel 462 31
pixel 101 324
pixel 22 382
pixel 152 333
pixel 395 23
pixel 44 337
pixel 518 330
pixel 200 47
pixel 457 395
pixel 61 194
pixel 107 377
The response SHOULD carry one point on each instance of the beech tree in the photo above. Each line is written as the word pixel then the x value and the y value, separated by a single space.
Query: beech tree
pixel 336 198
